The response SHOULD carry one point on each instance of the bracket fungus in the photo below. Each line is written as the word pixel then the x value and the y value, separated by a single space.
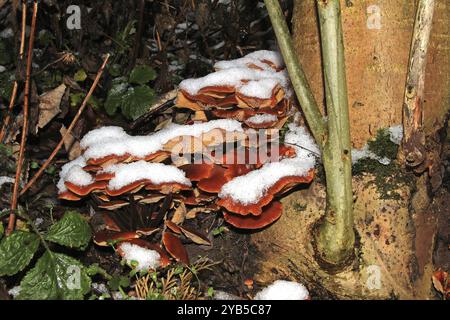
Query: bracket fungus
pixel 149 188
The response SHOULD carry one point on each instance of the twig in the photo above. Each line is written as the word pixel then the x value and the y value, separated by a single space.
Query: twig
pixel 69 129
pixel 413 149
pixel 296 73
pixel 16 84
pixel 8 113
pixel 23 140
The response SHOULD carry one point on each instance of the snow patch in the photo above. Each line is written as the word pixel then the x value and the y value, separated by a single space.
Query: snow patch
pixel 262 118
pixel 5 179
pixel 113 140
pixel 14 291
pixel 283 290
pixel 145 258
pixel 157 173
pixel 365 153
pixel 262 89
pixel 251 187
pixel 396 134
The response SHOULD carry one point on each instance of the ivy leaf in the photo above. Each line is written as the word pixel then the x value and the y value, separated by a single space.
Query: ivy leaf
pixel 115 98
pixel 55 276
pixel 16 252
pixel 137 101
pixel 142 74
pixel 71 231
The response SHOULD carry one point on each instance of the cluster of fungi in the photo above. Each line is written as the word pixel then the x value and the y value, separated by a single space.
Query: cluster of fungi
pixel 148 187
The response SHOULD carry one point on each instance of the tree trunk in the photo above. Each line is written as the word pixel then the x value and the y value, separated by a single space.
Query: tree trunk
pixel 395 238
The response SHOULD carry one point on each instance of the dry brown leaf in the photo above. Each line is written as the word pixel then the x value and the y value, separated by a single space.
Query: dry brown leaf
pixel 180 214
pixel 196 236
pixel 49 103
pixel 71 145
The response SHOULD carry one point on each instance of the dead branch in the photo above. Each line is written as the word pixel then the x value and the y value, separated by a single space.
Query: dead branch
pixel 413 144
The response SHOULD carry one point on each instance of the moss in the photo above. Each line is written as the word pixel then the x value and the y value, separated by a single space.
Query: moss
pixel 382 146
pixel 387 178
pixel 299 207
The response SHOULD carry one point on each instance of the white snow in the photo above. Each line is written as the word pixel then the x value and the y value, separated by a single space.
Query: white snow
pixel 14 291
pixel 101 134
pixel 235 73
pixel 262 89
pixel 5 179
pixel 6 33
pixel 396 134
pixel 157 173
pixel 229 77
pixel 145 258
pixel 251 187
pixel 73 172
pixel 107 141
pixel 283 290
pixel 365 153
pixel 255 58
pixel 262 118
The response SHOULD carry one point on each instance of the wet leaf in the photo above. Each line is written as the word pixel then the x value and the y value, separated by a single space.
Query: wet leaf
pixel 16 252
pixel 137 101
pixel 55 276
pixel 115 97
pixel 142 74
pixel 72 231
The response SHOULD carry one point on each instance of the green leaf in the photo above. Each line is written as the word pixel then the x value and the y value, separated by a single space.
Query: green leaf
pixel 142 74
pixel 71 231
pixel 137 101
pixel 118 281
pixel 55 276
pixel 80 75
pixel 115 97
pixel 2 230
pixel 16 252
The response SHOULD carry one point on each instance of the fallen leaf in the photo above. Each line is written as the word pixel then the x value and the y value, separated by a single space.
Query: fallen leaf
pixel 195 236
pixel 71 145
pixel 180 214
pixel 49 103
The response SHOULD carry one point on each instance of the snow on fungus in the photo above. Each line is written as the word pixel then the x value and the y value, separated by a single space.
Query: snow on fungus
pixel 283 290
pixel 69 173
pixel 144 258
pixel 142 146
pixel 261 118
pixel 156 173
pixel 250 188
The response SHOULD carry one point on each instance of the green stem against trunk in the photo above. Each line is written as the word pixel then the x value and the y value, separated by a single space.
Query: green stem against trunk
pixel 298 77
pixel 335 237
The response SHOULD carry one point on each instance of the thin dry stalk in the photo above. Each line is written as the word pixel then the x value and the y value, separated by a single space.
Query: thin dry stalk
pixel 23 140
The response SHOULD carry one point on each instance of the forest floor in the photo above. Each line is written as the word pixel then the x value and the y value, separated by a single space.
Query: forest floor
pixel 172 42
